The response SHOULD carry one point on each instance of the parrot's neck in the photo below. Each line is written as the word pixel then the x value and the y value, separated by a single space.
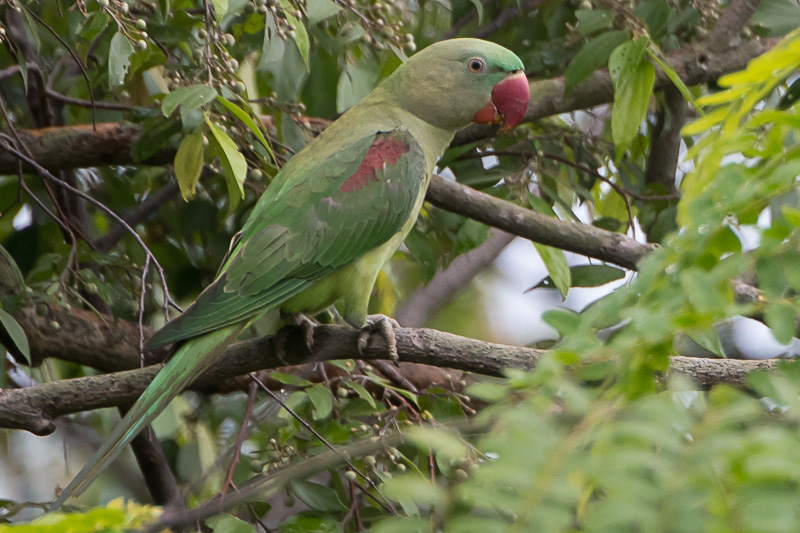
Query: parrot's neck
pixel 433 139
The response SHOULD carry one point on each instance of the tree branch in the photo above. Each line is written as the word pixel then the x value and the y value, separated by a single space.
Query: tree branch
pixel 726 32
pixel 579 238
pixel 424 302
pixel 662 160
pixel 35 408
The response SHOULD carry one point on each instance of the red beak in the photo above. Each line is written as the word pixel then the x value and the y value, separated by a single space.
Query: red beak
pixel 509 103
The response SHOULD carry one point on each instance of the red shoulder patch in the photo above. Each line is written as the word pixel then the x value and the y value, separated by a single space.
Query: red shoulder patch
pixel 383 153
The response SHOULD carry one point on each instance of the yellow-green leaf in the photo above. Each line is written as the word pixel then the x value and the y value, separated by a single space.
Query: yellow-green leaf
pixel 633 78
pixel 242 115
pixel 192 97
pixel 220 9
pixel 232 161
pixel 15 333
pixel 189 164
pixel 557 267
pixel 706 122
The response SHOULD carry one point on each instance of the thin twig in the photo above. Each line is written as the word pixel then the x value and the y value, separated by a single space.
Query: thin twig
pixel 327 444
pixel 72 53
pixel 8 144
pixel 240 436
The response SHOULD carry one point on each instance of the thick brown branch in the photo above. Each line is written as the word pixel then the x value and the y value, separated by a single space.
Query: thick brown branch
pixel 726 31
pixel 424 302
pixel 35 408
pixel 662 160
pixel 579 238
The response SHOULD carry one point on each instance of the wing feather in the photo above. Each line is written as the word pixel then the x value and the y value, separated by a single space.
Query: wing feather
pixel 313 220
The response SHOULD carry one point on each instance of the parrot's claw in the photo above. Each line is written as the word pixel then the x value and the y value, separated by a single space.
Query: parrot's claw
pixel 385 326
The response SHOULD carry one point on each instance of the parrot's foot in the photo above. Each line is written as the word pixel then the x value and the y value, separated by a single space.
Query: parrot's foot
pixel 385 326
pixel 297 319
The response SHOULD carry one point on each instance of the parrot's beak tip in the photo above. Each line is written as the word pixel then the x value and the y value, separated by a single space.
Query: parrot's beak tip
pixel 511 97
pixel 508 104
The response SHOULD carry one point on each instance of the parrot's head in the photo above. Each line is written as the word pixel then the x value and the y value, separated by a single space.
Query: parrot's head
pixel 455 82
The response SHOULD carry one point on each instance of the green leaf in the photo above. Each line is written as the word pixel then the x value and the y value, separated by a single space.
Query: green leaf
pixel 157 133
pixel 591 21
pixel 301 35
pixel 356 82
pixel 592 55
pixel 701 290
pixel 415 489
pixel 564 321
pixel 32 29
pixel 226 523
pixel 272 48
pixel 633 78
pixel 439 439
pixel 232 161
pixel 220 9
pixel 319 10
pixel 290 379
pixel 318 497
pixel 119 59
pixel 656 55
pixel 780 317
pixel 708 339
pixel 594 275
pixel 479 9
pixel 790 266
pixel 189 164
pixel 307 521
pixel 770 277
pixel 248 121
pixel 16 333
pixel 192 97
pixel 777 16
pixel 361 391
pixel 322 399
pixel 557 266
pixel 655 13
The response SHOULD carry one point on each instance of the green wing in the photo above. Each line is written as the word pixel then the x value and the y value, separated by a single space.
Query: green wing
pixel 316 217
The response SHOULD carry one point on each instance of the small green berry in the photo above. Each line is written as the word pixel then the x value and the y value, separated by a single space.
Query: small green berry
pixel 257 466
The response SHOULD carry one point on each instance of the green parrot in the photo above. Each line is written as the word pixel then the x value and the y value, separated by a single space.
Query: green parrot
pixel 333 215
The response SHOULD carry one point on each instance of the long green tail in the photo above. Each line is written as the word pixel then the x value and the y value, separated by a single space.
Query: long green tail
pixel 191 360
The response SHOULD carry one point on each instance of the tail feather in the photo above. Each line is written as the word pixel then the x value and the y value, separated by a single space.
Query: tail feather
pixel 191 360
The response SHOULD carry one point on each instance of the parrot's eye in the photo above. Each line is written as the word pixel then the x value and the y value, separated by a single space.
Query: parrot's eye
pixel 476 64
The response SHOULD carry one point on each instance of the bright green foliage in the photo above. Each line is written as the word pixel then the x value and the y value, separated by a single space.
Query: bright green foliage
pixel 116 517
pixel 559 455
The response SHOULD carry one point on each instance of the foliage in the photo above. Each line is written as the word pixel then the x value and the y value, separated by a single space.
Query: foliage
pixel 117 516
pixel 625 453
pixel 591 439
